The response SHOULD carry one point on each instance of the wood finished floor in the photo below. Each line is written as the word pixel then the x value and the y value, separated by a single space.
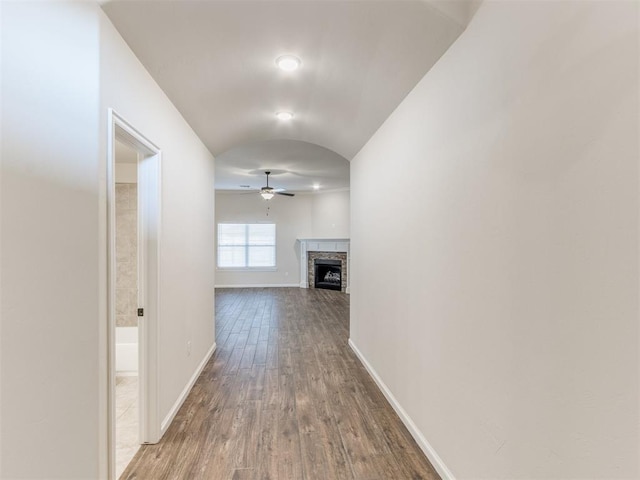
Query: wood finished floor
pixel 283 397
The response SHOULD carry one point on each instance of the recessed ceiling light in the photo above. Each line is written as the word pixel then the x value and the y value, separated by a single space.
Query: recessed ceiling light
pixel 288 63
pixel 284 115
pixel 316 186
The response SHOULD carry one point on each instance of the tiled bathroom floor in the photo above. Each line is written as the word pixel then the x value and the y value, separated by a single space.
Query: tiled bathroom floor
pixel 126 421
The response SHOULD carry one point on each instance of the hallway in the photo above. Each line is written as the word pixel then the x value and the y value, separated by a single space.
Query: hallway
pixel 283 397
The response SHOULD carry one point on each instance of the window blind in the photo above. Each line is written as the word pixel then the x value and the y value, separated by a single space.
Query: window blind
pixel 242 245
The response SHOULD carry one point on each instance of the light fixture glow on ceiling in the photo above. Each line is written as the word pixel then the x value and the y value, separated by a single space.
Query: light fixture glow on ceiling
pixel 267 195
pixel 316 186
pixel 284 115
pixel 288 63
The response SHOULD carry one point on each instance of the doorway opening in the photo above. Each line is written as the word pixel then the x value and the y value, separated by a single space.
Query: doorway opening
pixel 127 422
pixel 133 207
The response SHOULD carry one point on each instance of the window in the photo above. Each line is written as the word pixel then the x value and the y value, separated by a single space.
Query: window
pixel 243 245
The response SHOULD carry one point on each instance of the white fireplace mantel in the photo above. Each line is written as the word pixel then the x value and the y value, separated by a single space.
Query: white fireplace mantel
pixel 322 245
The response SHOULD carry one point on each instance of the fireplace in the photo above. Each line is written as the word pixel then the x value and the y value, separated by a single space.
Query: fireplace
pixel 328 274
pixel 327 270
pixel 336 249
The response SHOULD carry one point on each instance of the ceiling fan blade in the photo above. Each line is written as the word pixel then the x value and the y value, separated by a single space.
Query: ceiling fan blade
pixel 285 194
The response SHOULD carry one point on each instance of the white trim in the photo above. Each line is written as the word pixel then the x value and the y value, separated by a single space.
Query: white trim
pixel 428 450
pixel 149 199
pixel 328 190
pixel 111 298
pixel 183 396
pixel 149 165
pixel 247 269
pixel 261 285
pixel 321 240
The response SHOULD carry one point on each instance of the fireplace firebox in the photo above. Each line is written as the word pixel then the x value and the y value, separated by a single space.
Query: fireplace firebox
pixel 328 274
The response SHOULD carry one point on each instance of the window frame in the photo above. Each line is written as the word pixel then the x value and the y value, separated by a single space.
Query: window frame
pixel 247 246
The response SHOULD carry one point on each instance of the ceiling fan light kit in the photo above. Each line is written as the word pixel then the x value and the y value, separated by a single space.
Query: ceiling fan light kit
pixel 268 192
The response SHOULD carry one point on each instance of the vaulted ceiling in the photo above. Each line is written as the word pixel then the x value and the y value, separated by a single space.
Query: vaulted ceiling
pixel 215 60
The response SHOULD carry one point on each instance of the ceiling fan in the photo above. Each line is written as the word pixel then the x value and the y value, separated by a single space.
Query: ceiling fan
pixel 268 192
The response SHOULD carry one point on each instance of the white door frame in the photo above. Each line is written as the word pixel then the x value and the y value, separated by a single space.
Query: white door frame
pixel 149 159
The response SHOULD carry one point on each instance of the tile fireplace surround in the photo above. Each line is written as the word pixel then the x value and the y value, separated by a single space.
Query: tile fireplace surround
pixel 327 248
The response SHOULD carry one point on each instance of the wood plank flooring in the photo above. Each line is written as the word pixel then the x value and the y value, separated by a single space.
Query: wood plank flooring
pixel 285 398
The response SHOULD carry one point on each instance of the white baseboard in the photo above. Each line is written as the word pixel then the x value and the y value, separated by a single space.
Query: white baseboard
pixel 183 396
pixel 260 285
pixel 428 450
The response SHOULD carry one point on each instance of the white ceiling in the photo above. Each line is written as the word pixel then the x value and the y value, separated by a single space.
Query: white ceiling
pixel 216 61
pixel 294 166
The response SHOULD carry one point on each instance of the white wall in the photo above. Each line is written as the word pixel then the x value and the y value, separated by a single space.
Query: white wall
pixel 293 220
pixel 63 65
pixel 49 302
pixel 187 263
pixel 509 333
pixel 330 215
pixel 126 173
pixel 319 215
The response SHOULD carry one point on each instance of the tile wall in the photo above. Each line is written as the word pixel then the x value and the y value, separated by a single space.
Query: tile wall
pixel 126 255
